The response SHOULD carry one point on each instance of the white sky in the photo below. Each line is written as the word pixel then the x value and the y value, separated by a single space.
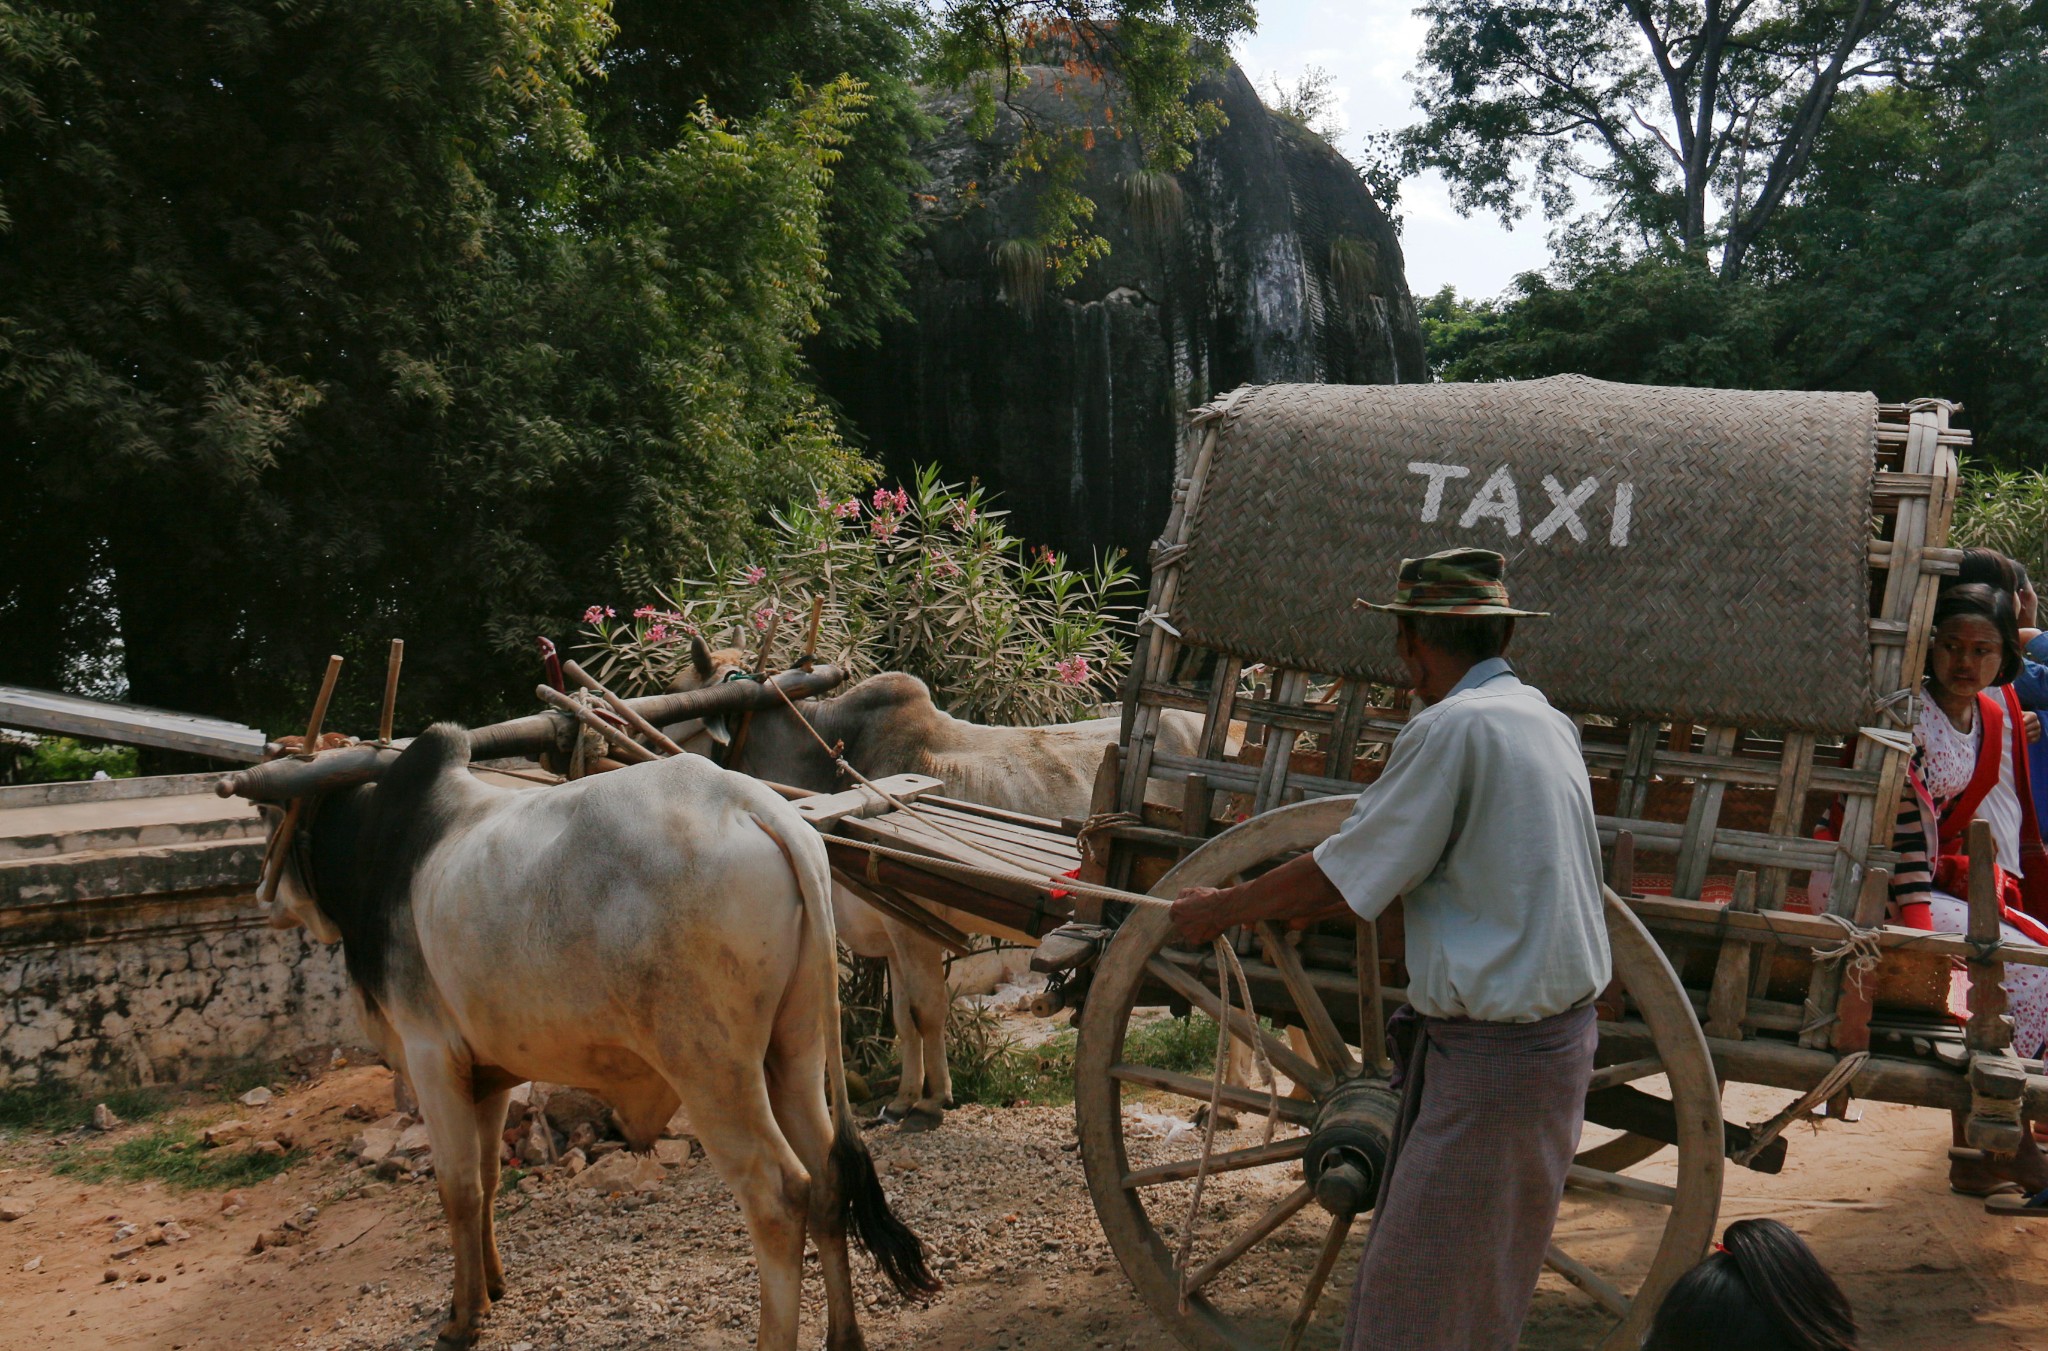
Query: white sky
pixel 1369 47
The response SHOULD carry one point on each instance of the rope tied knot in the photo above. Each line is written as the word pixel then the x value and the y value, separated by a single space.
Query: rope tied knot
pixel 1088 840
pixel 1859 948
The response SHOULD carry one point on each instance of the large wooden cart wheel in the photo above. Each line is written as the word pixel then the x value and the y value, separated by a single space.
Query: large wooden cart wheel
pixel 1277 1241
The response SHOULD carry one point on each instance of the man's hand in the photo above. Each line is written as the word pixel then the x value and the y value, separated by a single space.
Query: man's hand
pixel 1201 913
pixel 2032 722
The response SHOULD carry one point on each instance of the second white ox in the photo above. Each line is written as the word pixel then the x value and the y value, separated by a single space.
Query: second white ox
pixel 662 935
pixel 888 725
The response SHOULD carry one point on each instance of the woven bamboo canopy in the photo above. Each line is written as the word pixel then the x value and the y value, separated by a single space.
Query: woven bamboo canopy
pixel 1705 552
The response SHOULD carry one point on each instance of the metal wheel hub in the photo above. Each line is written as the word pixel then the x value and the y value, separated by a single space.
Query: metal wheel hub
pixel 1347 1151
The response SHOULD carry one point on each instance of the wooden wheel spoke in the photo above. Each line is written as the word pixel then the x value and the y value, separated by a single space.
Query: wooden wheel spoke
pixel 1625 1073
pixel 1231 1161
pixel 1243 1027
pixel 1324 1040
pixel 1614 1184
pixel 1333 1244
pixel 1296 1110
pixel 1588 1280
pixel 1623 1151
pixel 1281 1212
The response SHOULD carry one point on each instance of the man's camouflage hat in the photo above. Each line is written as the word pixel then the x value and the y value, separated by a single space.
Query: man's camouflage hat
pixel 1454 582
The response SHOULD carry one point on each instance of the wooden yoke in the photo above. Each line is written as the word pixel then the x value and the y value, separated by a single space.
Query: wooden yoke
pixel 1997 1080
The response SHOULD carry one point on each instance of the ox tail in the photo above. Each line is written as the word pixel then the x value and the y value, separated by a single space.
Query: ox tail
pixel 850 1170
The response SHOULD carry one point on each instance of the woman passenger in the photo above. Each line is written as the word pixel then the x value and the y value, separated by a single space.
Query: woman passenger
pixel 1969 760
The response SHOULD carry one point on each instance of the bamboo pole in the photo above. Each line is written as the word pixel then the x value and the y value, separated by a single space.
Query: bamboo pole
pixel 622 708
pixel 281 842
pixel 391 665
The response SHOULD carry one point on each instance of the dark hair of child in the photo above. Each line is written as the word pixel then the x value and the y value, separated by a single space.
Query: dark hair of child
pixel 1761 1289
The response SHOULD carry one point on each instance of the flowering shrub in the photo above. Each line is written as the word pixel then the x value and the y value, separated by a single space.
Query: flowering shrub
pixel 923 579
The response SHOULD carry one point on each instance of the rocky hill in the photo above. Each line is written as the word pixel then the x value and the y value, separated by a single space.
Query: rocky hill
pixel 1271 263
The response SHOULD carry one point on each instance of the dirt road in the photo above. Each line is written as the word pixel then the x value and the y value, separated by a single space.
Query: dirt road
pixel 998 1194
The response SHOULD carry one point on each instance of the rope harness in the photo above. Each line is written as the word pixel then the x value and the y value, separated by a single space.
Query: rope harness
pixel 1227 968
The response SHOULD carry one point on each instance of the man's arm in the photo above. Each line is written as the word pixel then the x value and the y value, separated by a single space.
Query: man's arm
pixel 1394 838
pixel 1298 892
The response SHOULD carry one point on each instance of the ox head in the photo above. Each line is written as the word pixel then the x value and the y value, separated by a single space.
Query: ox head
pixel 284 789
pixel 707 668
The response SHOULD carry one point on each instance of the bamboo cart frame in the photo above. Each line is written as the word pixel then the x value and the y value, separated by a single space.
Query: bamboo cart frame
pixel 1729 809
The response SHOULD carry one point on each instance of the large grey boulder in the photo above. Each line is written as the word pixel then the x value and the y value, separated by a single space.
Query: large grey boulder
pixel 1277 266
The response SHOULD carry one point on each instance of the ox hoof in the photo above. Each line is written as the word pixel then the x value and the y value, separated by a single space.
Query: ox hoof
pixel 455 1335
pixel 921 1119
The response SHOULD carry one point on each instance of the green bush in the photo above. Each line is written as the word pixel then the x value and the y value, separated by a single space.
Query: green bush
pixel 925 580
pixel 2006 510
pixel 60 759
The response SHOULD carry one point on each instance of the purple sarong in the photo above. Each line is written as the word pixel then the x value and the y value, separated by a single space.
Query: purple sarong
pixel 1490 1117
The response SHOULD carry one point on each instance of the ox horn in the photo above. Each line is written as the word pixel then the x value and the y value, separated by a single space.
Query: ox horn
pixel 291 776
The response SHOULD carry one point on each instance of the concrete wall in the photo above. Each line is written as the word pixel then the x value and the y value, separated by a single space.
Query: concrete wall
pixel 131 948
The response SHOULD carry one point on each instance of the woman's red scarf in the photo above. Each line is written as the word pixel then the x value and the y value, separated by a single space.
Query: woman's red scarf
pixel 1948 838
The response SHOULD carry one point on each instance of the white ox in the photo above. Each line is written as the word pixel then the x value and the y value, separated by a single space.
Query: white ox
pixel 660 935
pixel 889 725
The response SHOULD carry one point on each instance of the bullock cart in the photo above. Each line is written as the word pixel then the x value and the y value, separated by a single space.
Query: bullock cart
pixel 1742 584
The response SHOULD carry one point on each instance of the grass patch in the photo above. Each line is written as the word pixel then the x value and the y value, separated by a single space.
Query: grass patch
pixel 171 1154
pixel 59 1107
pixel 987 1069
pixel 1186 1044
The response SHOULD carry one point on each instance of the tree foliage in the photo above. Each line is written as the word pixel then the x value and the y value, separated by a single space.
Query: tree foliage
pixel 1689 120
pixel 322 323
pixel 1911 259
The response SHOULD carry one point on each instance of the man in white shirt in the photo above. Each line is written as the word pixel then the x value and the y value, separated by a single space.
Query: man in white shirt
pixel 1483 821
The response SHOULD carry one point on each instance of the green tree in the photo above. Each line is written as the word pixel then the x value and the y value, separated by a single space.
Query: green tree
pixel 1910 260
pixel 321 323
pixel 1664 319
pixel 1918 256
pixel 1690 120
pixel 740 59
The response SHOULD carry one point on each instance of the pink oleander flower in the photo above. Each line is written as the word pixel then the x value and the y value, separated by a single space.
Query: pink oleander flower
pixel 946 567
pixel 884 527
pixel 597 614
pixel 645 612
pixel 824 500
pixel 761 616
pixel 752 574
pixel 1043 553
pixel 897 501
pixel 1073 671
pixel 657 633
pixel 848 509
pixel 963 517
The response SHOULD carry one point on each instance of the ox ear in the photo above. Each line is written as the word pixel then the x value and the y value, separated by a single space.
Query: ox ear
pixel 700 656
pixel 293 906
pixel 696 736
